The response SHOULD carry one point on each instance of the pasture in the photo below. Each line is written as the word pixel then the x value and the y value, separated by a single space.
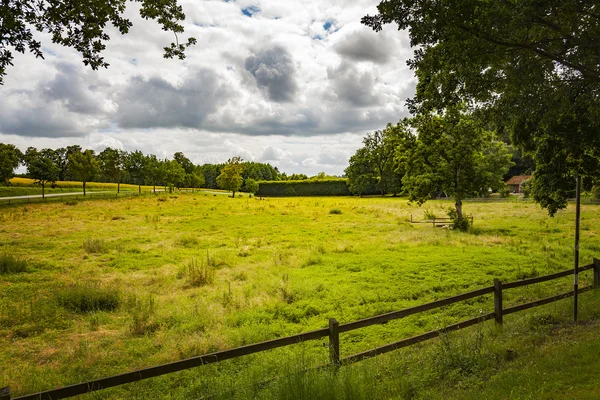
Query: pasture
pixel 104 287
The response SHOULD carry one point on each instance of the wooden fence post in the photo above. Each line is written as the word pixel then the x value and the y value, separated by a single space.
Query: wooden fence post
pixel 498 301
pixel 334 342
pixel 5 393
pixel 434 222
pixel 596 272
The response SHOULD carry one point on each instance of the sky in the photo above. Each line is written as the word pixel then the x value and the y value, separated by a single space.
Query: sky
pixel 296 84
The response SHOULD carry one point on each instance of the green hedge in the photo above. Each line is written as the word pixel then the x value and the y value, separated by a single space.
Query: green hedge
pixel 310 187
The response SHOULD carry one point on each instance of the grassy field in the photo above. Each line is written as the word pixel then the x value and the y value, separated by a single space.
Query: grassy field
pixel 98 288
pixel 25 186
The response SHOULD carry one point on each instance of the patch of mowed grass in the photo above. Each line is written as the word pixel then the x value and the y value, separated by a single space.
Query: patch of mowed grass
pixel 9 264
pixel 88 297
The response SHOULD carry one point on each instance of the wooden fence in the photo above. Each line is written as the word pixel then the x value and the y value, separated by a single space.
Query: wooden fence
pixel 439 221
pixel 71 197
pixel 333 331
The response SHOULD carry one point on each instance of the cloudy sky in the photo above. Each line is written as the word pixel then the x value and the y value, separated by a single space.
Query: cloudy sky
pixel 293 83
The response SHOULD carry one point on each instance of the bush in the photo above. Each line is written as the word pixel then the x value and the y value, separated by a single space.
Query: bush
pixel 10 264
pixel 504 191
pixel 526 188
pixel 311 187
pixel 85 298
pixel 198 274
pixel 94 245
pixel 458 224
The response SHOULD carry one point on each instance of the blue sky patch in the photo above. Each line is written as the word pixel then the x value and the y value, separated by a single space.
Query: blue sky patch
pixel 327 25
pixel 250 11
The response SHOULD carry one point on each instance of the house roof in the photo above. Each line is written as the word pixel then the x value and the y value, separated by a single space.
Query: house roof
pixel 517 180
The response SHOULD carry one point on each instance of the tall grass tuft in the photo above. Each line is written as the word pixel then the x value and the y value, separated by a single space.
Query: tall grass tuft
pixel 88 297
pixel 142 311
pixel 94 245
pixel 198 274
pixel 10 264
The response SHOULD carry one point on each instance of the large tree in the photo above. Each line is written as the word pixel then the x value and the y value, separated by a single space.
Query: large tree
pixel 533 67
pixel 84 166
pixel 81 25
pixel 10 158
pixel 134 164
pixel 41 167
pixel 451 153
pixel 230 177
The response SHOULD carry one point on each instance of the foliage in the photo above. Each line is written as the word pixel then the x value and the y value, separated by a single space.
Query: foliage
pixel 230 177
pixel 532 68
pixel 84 166
pixel 460 224
pixel 10 264
pixel 452 155
pixel 112 164
pixel 375 163
pixel 328 187
pixel 40 167
pixel 526 187
pixel 88 297
pixel 80 25
pixel 135 166
pixel 10 158
pixel 251 185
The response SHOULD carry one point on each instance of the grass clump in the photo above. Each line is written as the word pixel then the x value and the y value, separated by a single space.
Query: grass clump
pixel 86 298
pixel 10 264
pixel 198 274
pixel 188 241
pixel 92 246
pixel 142 311
pixel 71 203
pixel 335 211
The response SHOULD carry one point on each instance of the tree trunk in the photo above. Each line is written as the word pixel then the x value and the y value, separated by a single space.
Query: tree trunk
pixel 154 189
pixel 233 194
pixel 43 196
pixel 84 188
pixel 139 189
pixel 459 213
pixel 118 187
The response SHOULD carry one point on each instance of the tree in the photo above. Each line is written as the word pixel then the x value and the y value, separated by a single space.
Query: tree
pixel 361 177
pixel 174 174
pixel 153 170
pixel 231 175
pixel 84 166
pixel 251 185
pixel 134 164
pixel 196 179
pixel 80 25
pixel 111 165
pixel 454 155
pixel 532 67
pixel 10 158
pixel 40 167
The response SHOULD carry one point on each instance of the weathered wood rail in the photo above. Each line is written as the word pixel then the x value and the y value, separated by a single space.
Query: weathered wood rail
pixel 333 332
pixel 439 221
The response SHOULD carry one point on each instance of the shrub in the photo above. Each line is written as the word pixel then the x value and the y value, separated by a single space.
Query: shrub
pixel 94 245
pixel 85 298
pixel 429 214
pixel 526 188
pixel 142 313
pixel 458 224
pixel 335 211
pixel 309 187
pixel 504 191
pixel 198 274
pixel 10 264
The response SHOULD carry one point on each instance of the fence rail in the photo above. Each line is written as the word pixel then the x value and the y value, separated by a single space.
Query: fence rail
pixel 333 332
pixel 17 200
pixel 435 221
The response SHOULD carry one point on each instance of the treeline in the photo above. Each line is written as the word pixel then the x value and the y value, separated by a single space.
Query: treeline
pixel 46 166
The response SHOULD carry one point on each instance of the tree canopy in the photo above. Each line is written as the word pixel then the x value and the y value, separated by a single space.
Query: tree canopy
pixel 81 25
pixel 84 166
pixel 532 67
pixel 230 177
pixel 41 167
pixel 10 158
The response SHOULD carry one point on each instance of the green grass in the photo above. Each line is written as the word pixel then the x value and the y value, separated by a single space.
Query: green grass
pixel 277 267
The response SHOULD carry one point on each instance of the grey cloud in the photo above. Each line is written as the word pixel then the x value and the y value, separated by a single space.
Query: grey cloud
pixel 157 103
pixel 38 121
pixel 352 86
pixel 365 45
pixel 274 71
pixel 333 158
pixel 69 87
pixel 272 154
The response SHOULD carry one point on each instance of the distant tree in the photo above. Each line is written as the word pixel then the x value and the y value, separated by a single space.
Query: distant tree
pixel 196 179
pixel 153 170
pixel 361 177
pixel 453 154
pixel 61 159
pixel 10 158
pixel 230 177
pixel 41 167
pixel 174 174
pixel 111 165
pixel 321 175
pixel 134 164
pixel 84 166
pixel 185 162
pixel 251 185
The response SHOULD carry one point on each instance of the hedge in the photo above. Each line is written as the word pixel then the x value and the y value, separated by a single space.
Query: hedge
pixel 309 187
